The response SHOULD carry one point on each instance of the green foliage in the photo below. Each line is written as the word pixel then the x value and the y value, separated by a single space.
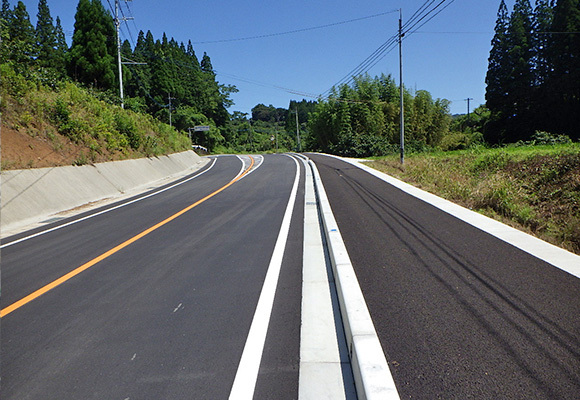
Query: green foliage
pixel 45 35
pixel 363 119
pixel 20 33
pixel 91 59
pixel 76 113
pixel 170 69
pixel 533 78
pixel 545 138
pixel 532 187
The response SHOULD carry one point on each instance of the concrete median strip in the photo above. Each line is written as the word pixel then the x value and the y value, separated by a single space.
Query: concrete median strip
pixel 372 376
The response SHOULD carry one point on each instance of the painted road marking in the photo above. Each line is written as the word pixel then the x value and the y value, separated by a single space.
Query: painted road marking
pixel 247 373
pixel 75 272
pixel 108 209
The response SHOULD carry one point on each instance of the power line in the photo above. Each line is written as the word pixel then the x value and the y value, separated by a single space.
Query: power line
pixel 296 30
pixel 427 10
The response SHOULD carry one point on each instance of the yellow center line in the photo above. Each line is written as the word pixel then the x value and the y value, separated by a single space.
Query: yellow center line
pixel 75 272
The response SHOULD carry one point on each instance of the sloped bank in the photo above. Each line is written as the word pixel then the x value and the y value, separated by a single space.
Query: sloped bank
pixel 30 195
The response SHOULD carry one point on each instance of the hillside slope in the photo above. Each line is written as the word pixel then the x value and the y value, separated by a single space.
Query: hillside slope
pixel 51 123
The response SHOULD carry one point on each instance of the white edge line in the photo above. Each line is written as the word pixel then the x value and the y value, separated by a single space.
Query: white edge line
pixel 259 164
pixel 107 210
pixel 554 255
pixel 248 368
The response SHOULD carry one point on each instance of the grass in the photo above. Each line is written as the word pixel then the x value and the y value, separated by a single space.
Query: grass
pixel 533 188
pixel 68 111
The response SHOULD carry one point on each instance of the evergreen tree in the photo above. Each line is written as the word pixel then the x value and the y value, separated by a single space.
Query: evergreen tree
pixel 21 37
pixel 192 57
pixel 45 36
pixel 5 17
pixel 497 75
pixel 5 12
pixel 521 79
pixel 543 16
pixel 206 64
pixel 91 59
pixel 61 49
pixel 564 78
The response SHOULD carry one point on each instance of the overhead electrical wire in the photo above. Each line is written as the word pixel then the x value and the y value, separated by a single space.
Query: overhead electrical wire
pixel 296 30
pixel 425 13
pixel 426 10
pixel 251 81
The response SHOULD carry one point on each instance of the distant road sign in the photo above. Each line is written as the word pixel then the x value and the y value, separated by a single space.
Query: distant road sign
pixel 201 128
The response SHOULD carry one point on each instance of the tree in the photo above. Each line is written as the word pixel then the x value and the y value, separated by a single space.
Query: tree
pixel 360 120
pixel 21 37
pixel 497 75
pixel 564 77
pixel 5 17
pixel 59 57
pixel 91 59
pixel 521 79
pixel 510 78
pixel 543 17
pixel 45 36
pixel 206 64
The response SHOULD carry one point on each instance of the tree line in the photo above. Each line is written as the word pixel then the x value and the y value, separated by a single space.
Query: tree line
pixel 533 77
pixel 363 119
pixel 162 77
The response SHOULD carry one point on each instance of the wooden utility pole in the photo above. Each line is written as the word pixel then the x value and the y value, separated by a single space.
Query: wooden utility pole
pixel 402 112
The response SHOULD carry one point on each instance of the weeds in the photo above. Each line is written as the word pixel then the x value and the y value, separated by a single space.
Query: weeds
pixel 534 188
pixel 105 131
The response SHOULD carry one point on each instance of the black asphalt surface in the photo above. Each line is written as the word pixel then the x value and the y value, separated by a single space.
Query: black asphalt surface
pixel 459 313
pixel 166 317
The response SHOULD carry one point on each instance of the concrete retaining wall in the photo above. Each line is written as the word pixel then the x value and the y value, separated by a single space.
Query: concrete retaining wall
pixel 32 194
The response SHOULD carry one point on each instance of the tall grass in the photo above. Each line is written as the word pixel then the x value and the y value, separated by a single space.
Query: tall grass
pixel 64 108
pixel 534 188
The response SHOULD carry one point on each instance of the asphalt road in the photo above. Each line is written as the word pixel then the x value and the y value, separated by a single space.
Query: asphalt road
pixel 167 315
pixel 459 313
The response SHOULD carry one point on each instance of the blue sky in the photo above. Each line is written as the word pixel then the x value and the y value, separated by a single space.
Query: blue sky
pixel 447 56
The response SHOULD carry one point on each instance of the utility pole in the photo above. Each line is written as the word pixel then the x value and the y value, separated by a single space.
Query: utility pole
pixel 118 25
pixel 297 133
pixel 402 123
pixel 468 115
pixel 170 98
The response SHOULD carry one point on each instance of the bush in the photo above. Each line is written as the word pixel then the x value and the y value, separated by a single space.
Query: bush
pixel 541 137
pixel 126 126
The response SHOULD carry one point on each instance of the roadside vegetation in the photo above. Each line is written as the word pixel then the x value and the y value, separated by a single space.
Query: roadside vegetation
pixel 63 115
pixel 533 187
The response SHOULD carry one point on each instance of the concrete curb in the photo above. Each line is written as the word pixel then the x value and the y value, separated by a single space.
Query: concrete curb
pixel 373 379
pixel 28 196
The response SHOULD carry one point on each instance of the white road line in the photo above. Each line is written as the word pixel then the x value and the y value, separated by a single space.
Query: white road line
pixel 247 373
pixel 259 160
pixel 107 210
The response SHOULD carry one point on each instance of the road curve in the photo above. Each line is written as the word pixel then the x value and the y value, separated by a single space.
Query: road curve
pixel 166 316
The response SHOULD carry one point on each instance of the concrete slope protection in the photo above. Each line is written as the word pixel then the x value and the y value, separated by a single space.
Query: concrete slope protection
pixel 166 316
pixel 459 312
pixel 30 195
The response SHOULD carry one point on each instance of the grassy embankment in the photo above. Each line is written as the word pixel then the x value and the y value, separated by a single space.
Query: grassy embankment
pixel 72 121
pixel 533 188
